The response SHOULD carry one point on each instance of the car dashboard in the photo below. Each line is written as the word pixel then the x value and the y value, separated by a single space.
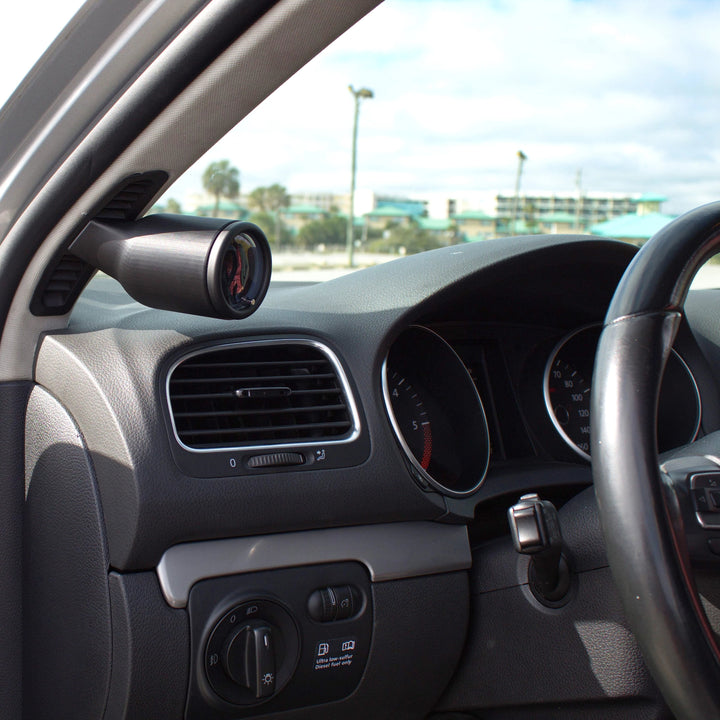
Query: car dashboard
pixel 389 419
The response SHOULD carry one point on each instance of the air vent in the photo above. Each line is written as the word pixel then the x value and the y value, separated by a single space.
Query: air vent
pixel 134 194
pixel 258 394
pixel 61 285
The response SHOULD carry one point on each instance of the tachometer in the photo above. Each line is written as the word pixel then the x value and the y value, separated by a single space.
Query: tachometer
pixel 411 417
pixel 436 413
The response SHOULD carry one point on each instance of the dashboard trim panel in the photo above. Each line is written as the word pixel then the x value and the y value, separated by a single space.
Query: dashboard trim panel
pixel 391 551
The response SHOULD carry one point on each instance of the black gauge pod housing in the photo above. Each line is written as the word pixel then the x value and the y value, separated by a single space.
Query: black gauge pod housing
pixel 201 266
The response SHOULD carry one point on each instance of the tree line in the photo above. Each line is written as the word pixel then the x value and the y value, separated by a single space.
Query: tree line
pixel 221 181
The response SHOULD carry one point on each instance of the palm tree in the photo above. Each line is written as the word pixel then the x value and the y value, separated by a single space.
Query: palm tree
pixel 221 179
pixel 271 199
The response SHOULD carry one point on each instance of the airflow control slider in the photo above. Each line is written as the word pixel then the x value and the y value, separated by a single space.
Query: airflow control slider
pixel 279 459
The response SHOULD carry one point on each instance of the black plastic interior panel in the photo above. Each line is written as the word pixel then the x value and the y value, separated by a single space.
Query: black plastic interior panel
pixel 149 504
pixel 151 644
pixel 66 613
pixel 121 409
pixel 66 275
pixel 616 709
pixel 416 627
pixel 13 398
pixel 315 663
pixel 581 656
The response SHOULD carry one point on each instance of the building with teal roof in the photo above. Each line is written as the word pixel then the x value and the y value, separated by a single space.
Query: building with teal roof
pixel 304 210
pixel 414 208
pixel 295 217
pixel 634 228
pixel 226 209
pixel 441 225
pixel 381 217
pixel 649 203
pixel 473 225
pixel 558 222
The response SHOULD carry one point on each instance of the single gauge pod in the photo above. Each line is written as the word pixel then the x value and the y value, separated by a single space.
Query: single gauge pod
pixel 238 270
pixel 201 266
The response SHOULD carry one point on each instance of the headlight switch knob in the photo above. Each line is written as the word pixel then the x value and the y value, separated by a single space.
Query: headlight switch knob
pixel 249 658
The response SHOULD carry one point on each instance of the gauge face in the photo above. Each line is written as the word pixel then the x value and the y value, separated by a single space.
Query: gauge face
pixel 436 413
pixel 412 418
pixel 237 270
pixel 570 402
pixel 567 386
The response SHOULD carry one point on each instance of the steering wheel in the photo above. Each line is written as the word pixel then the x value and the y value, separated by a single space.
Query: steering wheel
pixel 657 518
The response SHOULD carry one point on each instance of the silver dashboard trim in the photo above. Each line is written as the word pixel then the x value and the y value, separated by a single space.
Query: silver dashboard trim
pixel 324 349
pixel 392 551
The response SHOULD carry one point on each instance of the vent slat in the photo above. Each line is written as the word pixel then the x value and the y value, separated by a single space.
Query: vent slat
pixel 57 285
pixel 208 413
pixel 231 394
pixel 277 363
pixel 264 411
pixel 238 380
pixel 252 431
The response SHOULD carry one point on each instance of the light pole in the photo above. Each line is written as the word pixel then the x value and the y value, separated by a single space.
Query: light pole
pixel 363 93
pixel 578 207
pixel 522 157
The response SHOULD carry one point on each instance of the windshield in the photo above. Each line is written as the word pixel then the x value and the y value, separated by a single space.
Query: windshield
pixel 432 123
pixel 25 33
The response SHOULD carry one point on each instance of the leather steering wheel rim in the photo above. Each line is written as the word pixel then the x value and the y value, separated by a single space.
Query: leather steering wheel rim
pixel 645 546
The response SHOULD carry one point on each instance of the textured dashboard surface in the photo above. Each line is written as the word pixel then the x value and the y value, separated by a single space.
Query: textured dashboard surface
pixel 501 304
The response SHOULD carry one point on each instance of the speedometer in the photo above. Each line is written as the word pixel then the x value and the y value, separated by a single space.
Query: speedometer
pixel 568 376
pixel 570 403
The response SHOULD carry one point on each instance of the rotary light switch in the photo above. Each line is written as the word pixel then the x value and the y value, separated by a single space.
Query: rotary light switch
pixel 252 652
pixel 249 658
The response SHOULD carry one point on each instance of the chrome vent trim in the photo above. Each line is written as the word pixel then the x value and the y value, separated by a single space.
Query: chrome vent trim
pixel 301 397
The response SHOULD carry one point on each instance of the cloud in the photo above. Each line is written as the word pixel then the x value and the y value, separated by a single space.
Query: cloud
pixel 625 90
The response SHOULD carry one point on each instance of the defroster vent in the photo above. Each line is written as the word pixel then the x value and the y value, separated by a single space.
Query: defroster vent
pixel 277 392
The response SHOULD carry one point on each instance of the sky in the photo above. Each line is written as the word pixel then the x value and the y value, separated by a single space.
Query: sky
pixel 626 92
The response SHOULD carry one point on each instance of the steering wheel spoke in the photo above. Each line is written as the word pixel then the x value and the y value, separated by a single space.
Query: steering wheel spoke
pixel 695 481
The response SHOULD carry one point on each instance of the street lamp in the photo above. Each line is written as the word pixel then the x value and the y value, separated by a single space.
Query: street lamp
pixel 522 157
pixel 362 93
